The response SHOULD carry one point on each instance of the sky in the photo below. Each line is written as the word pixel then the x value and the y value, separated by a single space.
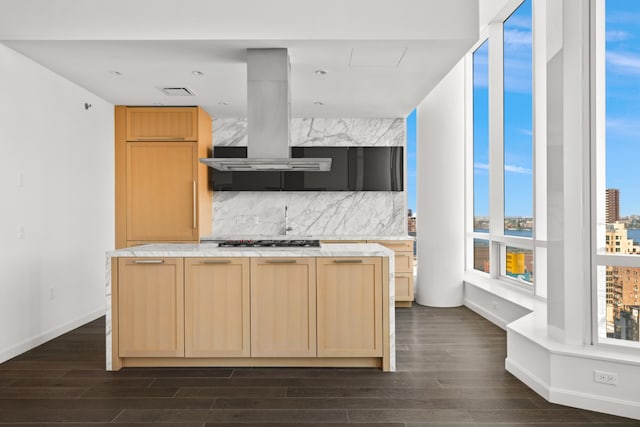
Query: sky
pixel 518 147
pixel 622 113
pixel 411 161
pixel 623 101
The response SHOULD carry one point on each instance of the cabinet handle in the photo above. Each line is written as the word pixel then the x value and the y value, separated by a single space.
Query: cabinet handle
pixel 193 197
pixel 347 261
pixel 281 261
pixel 217 261
pixel 160 138
pixel 148 261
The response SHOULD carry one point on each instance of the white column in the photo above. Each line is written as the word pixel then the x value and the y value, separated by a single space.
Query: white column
pixel 568 170
pixel 440 192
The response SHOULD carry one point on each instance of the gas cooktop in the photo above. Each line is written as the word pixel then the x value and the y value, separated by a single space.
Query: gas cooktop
pixel 269 243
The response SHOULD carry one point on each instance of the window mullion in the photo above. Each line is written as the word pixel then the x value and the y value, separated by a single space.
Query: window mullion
pixel 496 143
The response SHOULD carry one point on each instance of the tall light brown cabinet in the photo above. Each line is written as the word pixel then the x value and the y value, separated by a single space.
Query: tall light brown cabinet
pixel 162 191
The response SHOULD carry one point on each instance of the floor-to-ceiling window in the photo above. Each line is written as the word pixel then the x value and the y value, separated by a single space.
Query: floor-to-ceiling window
pixel 412 187
pixel 502 150
pixel 618 191
pixel 480 59
pixel 518 146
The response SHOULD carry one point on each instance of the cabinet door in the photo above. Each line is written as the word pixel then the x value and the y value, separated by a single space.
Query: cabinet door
pixel 217 307
pixel 404 262
pixel 349 307
pixel 162 124
pixel 404 286
pixel 150 307
pixel 161 191
pixel 283 307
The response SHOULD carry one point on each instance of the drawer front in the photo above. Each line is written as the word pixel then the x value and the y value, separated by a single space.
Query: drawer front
pixel 404 262
pixel 162 124
pixel 404 286
pixel 396 245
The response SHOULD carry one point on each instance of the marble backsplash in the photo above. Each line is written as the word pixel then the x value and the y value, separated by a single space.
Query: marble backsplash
pixel 328 213
pixel 311 213
pixel 321 132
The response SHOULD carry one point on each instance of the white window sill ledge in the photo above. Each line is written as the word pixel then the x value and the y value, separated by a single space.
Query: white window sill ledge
pixel 504 290
pixel 533 326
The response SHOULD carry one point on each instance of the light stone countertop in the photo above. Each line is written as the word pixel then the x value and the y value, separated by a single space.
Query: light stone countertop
pixel 304 237
pixel 212 250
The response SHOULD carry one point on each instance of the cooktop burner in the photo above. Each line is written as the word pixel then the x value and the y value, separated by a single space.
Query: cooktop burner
pixel 269 243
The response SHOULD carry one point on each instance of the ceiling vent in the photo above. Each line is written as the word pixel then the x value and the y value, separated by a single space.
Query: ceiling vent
pixel 177 91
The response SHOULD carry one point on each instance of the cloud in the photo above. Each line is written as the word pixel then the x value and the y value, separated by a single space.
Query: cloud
pixel 617 36
pixel 527 132
pixel 622 126
pixel 517 169
pixel 507 168
pixel 624 63
pixel 522 22
pixel 517 38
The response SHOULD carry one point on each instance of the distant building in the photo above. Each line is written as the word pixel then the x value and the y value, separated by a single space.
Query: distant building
pixel 612 205
pixel 622 284
pixel 412 224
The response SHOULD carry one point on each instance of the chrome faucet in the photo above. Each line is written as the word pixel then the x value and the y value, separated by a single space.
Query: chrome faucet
pixel 287 227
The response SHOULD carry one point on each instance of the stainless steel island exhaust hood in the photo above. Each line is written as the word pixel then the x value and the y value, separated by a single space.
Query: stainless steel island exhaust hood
pixel 268 118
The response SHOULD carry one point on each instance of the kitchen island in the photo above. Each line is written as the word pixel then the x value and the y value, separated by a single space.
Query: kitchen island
pixel 204 305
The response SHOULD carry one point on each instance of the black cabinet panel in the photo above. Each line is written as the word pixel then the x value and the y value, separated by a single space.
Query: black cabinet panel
pixel 352 169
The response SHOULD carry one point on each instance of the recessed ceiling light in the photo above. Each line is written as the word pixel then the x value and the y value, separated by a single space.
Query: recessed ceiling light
pixel 115 73
pixel 197 73
pixel 319 103
pixel 321 72
pixel 224 104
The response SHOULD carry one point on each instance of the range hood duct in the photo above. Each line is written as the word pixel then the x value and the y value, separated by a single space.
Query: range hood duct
pixel 268 117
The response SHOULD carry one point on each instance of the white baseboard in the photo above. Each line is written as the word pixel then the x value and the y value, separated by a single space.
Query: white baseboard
pixel 575 399
pixel 491 317
pixel 532 381
pixel 33 342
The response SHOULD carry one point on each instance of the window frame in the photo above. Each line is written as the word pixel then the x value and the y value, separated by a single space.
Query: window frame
pixel 600 259
pixel 493 34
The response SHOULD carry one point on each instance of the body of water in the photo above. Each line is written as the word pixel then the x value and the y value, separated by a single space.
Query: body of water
pixel 517 233
pixel 634 234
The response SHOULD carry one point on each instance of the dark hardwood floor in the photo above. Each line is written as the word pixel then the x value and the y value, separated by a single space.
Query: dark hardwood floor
pixel 450 373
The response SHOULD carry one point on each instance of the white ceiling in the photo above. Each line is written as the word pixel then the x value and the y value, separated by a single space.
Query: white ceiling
pixel 381 57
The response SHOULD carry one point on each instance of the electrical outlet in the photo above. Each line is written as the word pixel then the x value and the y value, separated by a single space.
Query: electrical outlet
pixel 605 377
pixel 240 219
pixel 255 219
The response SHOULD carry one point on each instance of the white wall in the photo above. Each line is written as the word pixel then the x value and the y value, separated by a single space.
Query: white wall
pixel 440 192
pixel 56 184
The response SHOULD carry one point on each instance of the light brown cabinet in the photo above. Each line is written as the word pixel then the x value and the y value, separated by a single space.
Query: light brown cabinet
pixel 283 307
pixel 215 311
pixel 403 269
pixel 150 307
pixel 217 321
pixel 162 124
pixel 162 190
pixel 349 307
